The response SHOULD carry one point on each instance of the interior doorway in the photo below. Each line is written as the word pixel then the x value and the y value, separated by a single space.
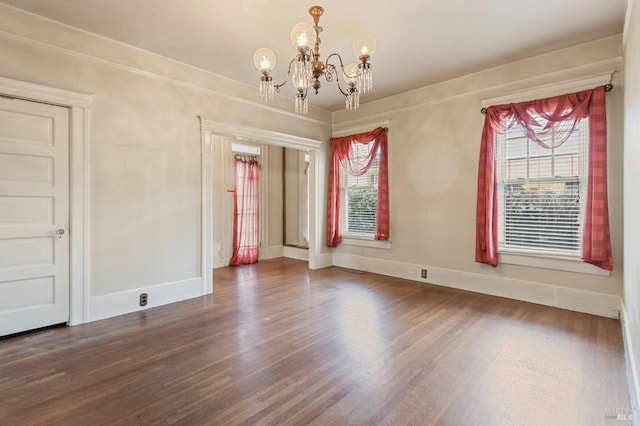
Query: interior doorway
pixel 213 135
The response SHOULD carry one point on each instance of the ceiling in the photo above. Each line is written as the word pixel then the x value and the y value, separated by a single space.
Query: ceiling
pixel 420 42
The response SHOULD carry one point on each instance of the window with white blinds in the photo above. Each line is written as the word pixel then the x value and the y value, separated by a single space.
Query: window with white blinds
pixel 541 193
pixel 360 196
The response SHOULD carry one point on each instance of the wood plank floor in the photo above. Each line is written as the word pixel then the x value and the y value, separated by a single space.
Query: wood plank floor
pixel 278 344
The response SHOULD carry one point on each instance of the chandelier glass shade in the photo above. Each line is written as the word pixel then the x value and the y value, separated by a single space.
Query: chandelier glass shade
pixel 306 69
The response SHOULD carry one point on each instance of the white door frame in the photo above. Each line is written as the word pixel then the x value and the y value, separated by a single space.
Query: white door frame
pixel 211 127
pixel 79 105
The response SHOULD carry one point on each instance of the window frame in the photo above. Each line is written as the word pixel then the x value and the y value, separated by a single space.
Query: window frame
pixel 344 201
pixel 502 161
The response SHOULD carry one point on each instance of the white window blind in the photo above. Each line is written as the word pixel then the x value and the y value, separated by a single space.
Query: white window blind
pixel 360 196
pixel 541 193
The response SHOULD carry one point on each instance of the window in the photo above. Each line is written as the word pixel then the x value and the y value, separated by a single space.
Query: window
pixel 542 192
pixel 359 196
pixel 537 189
pixel 358 193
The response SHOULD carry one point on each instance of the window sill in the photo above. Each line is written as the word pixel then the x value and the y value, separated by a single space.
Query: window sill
pixel 557 263
pixel 364 242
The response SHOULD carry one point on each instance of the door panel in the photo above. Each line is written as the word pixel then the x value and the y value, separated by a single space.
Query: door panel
pixel 34 215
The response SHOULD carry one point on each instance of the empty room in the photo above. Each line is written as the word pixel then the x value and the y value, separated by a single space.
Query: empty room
pixel 275 212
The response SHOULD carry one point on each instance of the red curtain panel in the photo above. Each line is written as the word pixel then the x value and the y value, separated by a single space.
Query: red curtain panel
pixel 246 212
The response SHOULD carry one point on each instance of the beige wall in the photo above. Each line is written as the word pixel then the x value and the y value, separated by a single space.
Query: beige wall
pixel 434 143
pixel 631 179
pixel 144 167
pixel 144 189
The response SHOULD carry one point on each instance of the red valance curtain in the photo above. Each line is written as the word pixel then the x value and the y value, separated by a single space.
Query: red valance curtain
pixel 245 211
pixel 343 155
pixel 549 123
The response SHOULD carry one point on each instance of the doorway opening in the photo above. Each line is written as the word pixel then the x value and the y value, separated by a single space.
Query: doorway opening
pixel 215 136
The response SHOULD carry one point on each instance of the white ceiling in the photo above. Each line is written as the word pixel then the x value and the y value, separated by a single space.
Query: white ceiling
pixel 420 42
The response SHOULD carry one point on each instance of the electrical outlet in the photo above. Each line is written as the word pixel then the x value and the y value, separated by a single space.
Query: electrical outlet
pixel 423 274
pixel 144 298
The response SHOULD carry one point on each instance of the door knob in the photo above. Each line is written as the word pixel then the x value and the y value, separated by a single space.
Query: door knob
pixel 60 233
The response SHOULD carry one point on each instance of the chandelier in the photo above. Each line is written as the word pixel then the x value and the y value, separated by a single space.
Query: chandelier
pixel 306 69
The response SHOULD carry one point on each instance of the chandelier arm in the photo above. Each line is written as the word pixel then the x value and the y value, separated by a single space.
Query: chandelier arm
pixel 331 70
pixel 337 56
pixel 340 88
pixel 278 86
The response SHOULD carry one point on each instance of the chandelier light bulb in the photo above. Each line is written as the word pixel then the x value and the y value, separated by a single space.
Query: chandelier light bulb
pixel 264 59
pixel 350 73
pixel 302 36
pixel 364 45
pixel 302 39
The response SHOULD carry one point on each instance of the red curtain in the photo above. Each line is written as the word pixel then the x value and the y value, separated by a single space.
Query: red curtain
pixel 343 155
pixel 549 123
pixel 245 211
pixel 596 244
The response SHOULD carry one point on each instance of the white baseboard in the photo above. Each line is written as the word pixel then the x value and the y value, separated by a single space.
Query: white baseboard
pixel 321 260
pixel 296 253
pixel 219 262
pixel 272 252
pixel 605 305
pixel 631 348
pixel 124 302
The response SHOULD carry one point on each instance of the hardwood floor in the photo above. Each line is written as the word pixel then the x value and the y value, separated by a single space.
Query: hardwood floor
pixel 278 344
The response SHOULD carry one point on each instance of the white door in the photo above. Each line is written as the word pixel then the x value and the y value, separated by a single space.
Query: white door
pixel 34 215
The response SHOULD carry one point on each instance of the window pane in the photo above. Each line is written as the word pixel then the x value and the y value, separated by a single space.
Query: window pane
pixel 517 169
pixel 360 195
pixel 572 144
pixel 567 165
pixel 541 192
pixel 361 208
pixel 536 150
pixel 542 216
pixel 516 147
pixel 540 167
